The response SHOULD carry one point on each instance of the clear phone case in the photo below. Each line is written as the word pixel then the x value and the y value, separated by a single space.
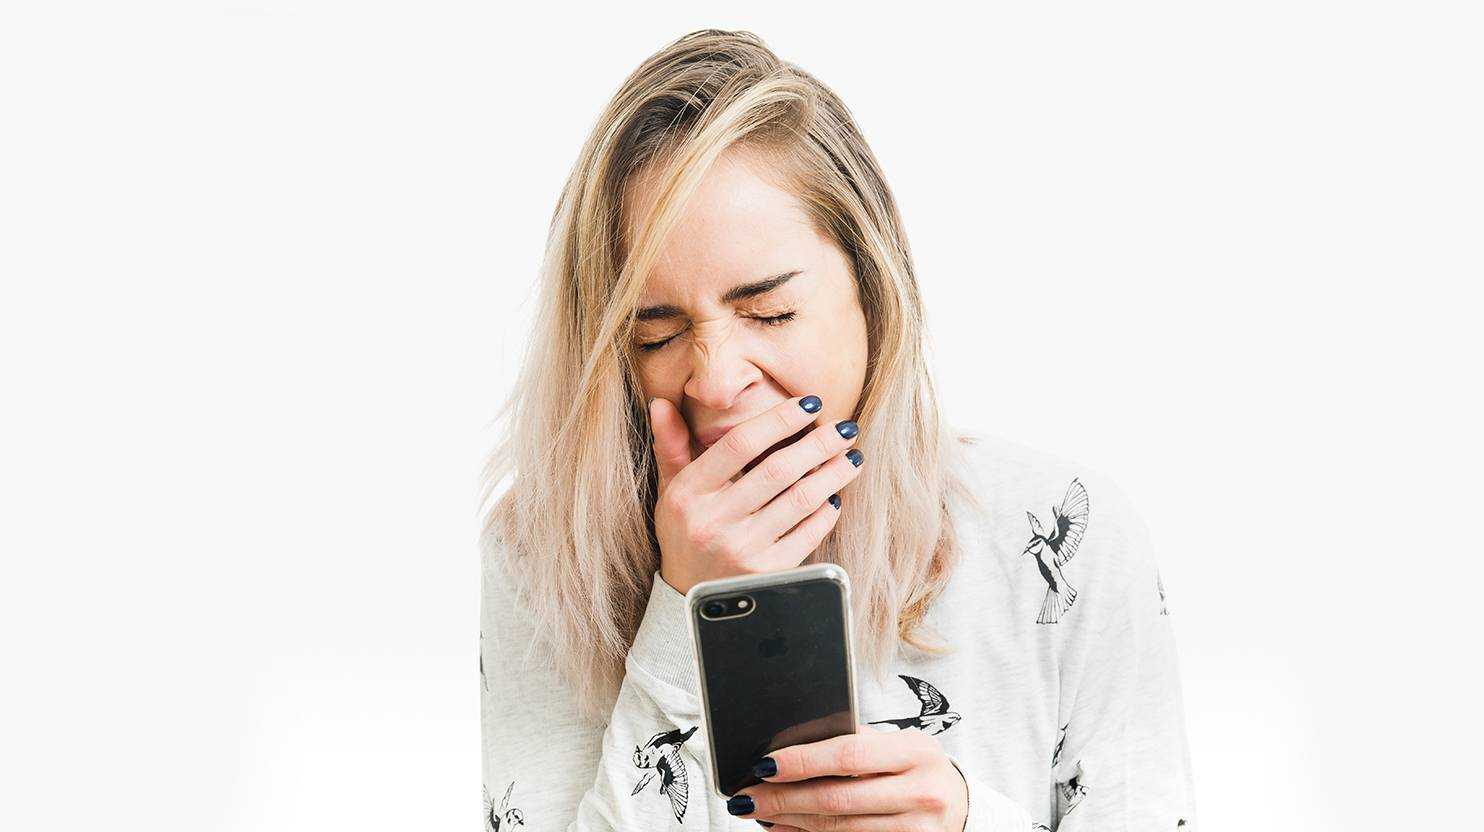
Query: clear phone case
pixel 776 669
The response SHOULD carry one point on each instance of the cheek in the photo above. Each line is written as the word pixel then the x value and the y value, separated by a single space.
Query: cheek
pixel 799 370
pixel 657 379
pixel 828 361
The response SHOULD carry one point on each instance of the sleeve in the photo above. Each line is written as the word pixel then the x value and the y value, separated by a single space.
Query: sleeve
pixel 545 766
pixel 989 810
pixel 1123 760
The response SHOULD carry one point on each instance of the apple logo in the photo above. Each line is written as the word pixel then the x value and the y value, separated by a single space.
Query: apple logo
pixel 771 648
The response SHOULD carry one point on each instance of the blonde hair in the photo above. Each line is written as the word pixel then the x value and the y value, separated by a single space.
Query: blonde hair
pixel 576 522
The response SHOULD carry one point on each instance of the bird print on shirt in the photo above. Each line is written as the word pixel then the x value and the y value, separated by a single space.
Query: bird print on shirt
pixel 662 754
pixel 505 817
pixel 1159 583
pixel 935 718
pixel 1053 551
pixel 1072 791
pixel 1060 741
pixel 483 680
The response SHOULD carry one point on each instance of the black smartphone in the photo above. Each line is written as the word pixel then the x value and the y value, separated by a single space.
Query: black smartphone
pixel 775 666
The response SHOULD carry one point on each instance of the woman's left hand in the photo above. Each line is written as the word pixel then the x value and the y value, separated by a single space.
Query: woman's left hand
pixel 893 781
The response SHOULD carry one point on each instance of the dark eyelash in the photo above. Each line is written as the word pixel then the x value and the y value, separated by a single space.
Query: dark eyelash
pixel 772 320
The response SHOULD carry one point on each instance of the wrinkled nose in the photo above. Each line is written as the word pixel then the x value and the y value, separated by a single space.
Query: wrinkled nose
pixel 719 372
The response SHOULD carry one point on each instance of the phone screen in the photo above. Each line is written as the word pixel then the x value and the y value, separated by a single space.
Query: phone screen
pixel 775 677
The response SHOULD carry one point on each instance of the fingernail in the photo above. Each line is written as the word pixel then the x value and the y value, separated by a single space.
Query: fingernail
pixel 811 404
pixel 847 428
pixel 834 501
pixel 741 804
pixel 767 766
pixel 856 457
pixel 764 823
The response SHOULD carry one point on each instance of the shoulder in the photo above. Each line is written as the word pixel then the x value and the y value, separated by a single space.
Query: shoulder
pixel 495 566
pixel 506 613
pixel 1024 491
pixel 504 565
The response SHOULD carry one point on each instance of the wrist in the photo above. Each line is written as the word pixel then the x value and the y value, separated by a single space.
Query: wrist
pixel 674 582
pixel 960 820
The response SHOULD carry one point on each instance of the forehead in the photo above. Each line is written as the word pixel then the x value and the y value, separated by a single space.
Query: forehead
pixel 737 226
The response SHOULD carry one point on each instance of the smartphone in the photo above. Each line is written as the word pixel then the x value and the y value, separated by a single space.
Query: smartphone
pixel 775 666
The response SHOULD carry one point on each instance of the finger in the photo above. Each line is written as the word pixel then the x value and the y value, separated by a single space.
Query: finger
pixel 803 497
pixel 716 466
pixel 839 823
pixel 880 794
pixel 671 440
pixel 786 466
pixel 791 549
pixel 871 752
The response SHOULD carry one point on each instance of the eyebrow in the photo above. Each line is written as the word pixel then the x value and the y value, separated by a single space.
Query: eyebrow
pixel 734 294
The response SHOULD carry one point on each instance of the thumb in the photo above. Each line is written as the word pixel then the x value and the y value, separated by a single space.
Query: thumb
pixel 671 440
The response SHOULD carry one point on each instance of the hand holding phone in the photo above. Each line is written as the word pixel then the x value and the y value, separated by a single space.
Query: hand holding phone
pixel 895 779
pixel 775 665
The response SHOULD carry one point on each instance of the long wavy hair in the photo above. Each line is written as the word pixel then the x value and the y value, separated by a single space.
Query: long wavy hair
pixel 568 492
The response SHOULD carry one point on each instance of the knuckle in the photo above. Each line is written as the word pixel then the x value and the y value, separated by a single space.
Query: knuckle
pixel 823 447
pixel 775 470
pixel 783 421
pixel 931 800
pixel 802 498
pixel 813 530
pixel 675 500
pixel 739 442
pixel 831 823
pixel 834 799
pixel 851 754
pixel 788 760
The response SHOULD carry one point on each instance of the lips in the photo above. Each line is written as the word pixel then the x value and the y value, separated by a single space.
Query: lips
pixel 711 436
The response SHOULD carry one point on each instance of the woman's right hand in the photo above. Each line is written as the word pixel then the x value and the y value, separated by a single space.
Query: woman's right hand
pixel 710 527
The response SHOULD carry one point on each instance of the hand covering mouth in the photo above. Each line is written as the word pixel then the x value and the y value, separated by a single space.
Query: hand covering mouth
pixel 779 445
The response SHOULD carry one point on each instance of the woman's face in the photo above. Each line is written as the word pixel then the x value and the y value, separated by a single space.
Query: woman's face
pixel 702 340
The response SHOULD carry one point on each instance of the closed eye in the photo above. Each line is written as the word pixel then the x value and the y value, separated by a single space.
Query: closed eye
pixel 770 320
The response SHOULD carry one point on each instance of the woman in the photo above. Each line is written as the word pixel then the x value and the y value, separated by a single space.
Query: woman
pixel 727 376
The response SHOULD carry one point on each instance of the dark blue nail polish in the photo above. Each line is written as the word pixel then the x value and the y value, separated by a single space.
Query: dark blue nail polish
pixel 834 501
pixel 764 823
pixel 847 428
pixel 811 404
pixel 741 804
pixel 856 457
pixel 767 766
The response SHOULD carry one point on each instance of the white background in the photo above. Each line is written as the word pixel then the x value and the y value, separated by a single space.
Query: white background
pixel 267 267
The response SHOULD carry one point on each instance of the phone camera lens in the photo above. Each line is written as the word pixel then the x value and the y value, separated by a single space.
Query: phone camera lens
pixel 715 608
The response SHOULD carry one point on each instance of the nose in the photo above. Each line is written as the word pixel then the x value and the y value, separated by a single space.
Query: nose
pixel 720 370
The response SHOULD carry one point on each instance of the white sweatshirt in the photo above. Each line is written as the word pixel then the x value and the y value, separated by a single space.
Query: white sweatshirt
pixel 1063 679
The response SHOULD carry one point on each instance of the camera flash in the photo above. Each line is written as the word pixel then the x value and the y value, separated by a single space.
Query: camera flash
pixel 742 604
